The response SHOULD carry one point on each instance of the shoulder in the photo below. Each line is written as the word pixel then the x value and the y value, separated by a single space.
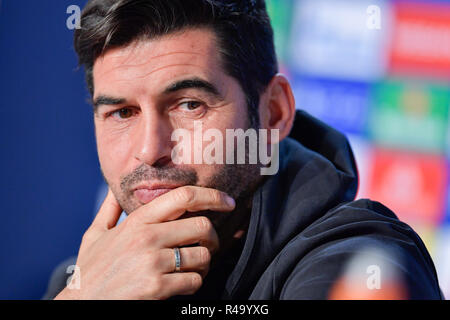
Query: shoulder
pixel 344 234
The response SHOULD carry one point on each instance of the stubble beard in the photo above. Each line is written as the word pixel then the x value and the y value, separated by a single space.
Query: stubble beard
pixel 237 180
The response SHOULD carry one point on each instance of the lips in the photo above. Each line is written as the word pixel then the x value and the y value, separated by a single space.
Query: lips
pixel 147 195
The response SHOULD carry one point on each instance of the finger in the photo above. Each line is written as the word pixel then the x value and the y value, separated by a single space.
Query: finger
pixel 109 212
pixel 174 203
pixel 188 231
pixel 180 283
pixel 192 259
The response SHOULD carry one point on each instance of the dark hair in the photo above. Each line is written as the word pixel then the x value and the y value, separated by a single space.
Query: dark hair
pixel 242 28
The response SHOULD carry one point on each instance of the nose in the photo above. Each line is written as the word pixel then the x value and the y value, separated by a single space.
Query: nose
pixel 152 140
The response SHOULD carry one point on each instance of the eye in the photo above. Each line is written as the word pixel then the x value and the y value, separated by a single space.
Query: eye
pixel 190 105
pixel 123 113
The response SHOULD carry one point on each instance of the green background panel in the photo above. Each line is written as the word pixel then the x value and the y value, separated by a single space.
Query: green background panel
pixel 410 115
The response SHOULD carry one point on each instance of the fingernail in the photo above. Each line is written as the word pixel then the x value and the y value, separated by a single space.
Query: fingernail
pixel 230 201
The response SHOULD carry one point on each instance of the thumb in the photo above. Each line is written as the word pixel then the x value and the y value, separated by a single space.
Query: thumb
pixel 109 212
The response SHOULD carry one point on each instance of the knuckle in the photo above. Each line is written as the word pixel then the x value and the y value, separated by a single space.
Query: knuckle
pixel 147 235
pixel 185 195
pixel 203 224
pixel 141 240
pixel 150 238
pixel 156 285
pixel 153 260
pixel 205 255
pixel 216 196
pixel 196 281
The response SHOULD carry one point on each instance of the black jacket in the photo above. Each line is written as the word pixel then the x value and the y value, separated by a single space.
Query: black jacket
pixel 305 227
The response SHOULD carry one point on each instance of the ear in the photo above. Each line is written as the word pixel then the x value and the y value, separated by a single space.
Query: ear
pixel 277 108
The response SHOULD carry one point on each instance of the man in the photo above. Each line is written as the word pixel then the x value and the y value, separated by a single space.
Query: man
pixel 203 229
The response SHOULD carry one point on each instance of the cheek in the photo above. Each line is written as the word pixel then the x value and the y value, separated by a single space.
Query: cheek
pixel 205 172
pixel 113 152
pixel 238 119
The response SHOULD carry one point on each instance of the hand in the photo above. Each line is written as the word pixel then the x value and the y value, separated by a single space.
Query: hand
pixel 135 260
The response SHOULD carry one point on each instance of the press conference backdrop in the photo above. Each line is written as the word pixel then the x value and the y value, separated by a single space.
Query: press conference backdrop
pixel 380 72
pixel 377 70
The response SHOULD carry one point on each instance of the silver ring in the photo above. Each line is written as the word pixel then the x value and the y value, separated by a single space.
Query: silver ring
pixel 177 259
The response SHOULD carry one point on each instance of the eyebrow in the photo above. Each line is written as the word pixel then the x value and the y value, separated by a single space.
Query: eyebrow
pixel 106 100
pixel 193 83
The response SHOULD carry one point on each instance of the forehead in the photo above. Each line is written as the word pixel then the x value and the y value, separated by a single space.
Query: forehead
pixel 158 61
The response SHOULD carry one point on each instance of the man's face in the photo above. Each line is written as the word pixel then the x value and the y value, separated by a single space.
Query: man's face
pixel 142 93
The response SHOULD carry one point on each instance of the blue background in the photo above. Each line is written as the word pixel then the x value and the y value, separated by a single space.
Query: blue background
pixel 49 168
